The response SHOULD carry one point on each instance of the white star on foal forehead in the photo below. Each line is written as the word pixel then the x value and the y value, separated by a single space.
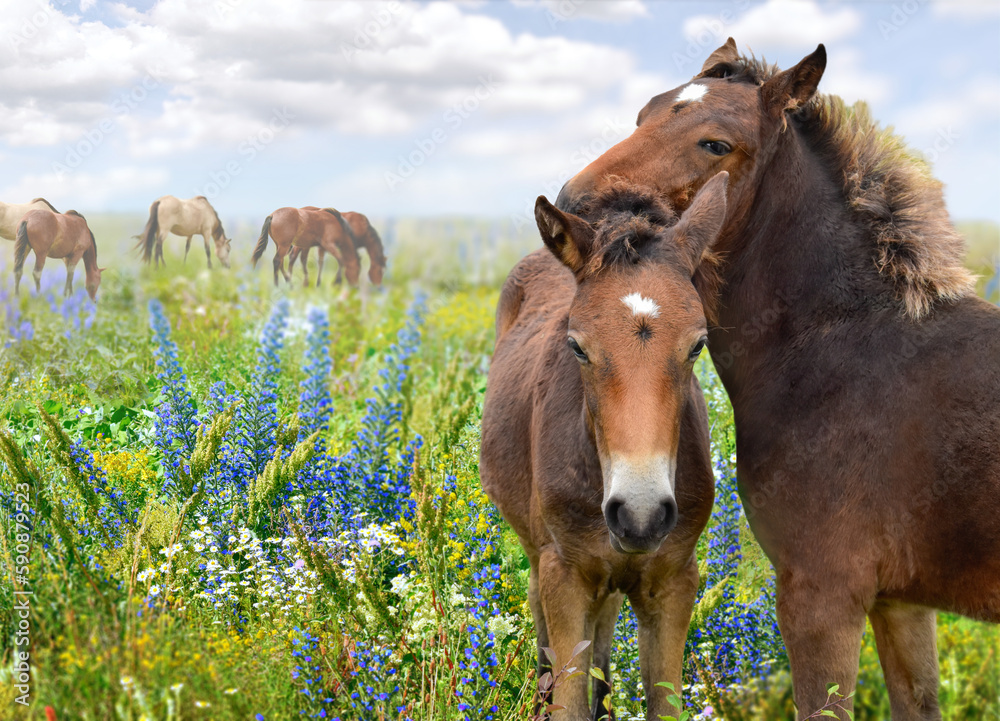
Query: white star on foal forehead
pixel 640 305
pixel 693 92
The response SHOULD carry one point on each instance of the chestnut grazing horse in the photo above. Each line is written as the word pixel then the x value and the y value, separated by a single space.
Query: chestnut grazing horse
pixel 304 228
pixel 864 373
pixel 11 214
pixel 595 442
pixel 365 236
pixel 57 235
pixel 194 216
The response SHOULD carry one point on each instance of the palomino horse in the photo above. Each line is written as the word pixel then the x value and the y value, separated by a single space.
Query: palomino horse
pixel 304 228
pixel 194 216
pixel 11 214
pixel 57 235
pixel 595 434
pixel 864 374
pixel 365 236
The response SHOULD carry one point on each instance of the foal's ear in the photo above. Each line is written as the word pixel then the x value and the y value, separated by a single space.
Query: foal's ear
pixel 569 237
pixel 723 56
pixel 700 224
pixel 792 88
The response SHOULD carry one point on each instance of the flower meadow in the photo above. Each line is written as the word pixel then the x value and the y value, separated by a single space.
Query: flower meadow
pixel 249 503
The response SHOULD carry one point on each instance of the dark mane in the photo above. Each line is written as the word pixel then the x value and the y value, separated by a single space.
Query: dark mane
pixel 217 232
pixel 888 187
pixel 43 200
pixel 627 219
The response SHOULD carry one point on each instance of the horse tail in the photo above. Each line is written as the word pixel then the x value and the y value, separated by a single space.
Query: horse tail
pixel 148 237
pixel 21 246
pixel 258 250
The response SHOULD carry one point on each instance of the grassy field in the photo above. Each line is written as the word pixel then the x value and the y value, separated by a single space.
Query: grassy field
pixel 234 502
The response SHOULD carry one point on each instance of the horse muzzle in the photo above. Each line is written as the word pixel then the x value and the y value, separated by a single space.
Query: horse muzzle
pixel 640 508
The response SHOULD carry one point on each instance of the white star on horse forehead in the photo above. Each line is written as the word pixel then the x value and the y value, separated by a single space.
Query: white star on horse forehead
pixel 693 92
pixel 640 305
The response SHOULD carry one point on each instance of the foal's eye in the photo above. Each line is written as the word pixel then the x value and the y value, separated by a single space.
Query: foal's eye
pixel 697 349
pixel 716 147
pixel 577 350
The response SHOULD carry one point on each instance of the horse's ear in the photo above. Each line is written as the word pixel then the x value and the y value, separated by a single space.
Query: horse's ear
pixel 569 237
pixel 792 88
pixel 700 224
pixel 724 56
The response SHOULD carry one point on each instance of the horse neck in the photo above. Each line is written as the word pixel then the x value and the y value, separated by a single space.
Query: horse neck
pixel 90 259
pixel 794 259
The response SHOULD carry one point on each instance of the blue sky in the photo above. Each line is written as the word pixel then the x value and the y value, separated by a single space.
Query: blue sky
pixel 400 108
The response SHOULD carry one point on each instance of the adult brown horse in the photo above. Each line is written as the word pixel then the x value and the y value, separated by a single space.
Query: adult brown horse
pixel 304 228
pixel 365 236
pixel 194 216
pixel 595 433
pixel 11 214
pixel 863 372
pixel 57 235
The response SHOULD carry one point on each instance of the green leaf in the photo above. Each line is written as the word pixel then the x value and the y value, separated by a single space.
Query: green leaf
pixel 832 689
pixel 597 673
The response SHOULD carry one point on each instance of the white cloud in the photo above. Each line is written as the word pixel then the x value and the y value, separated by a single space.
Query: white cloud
pixel 777 24
pixel 83 190
pixel 848 76
pixel 968 9
pixel 620 11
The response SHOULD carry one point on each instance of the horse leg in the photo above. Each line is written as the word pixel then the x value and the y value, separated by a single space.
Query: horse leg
pixel 187 247
pixel 278 260
pixel 541 632
pixel 821 621
pixel 340 274
pixel 604 634
pixel 305 266
pixel 37 272
pixel 70 269
pixel 566 598
pixel 208 251
pixel 159 252
pixel 319 267
pixel 906 637
pixel 663 605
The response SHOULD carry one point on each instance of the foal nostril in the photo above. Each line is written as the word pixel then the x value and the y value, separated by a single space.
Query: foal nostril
pixel 612 516
pixel 668 518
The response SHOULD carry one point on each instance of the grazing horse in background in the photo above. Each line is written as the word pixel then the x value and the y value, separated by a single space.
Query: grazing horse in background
pixel 57 235
pixel 11 214
pixel 864 373
pixel 194 216
pixel 304 228
pixel 595 443
pixel 365 236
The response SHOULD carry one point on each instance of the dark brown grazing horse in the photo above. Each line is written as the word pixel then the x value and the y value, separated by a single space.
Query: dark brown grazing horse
pixel 57 235
pixel 365 236
pixel 864 374
pixel 304 228
pixel 595 434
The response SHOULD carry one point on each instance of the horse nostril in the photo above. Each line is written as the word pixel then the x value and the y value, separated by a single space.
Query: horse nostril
pixel 611 516
pixel 668 519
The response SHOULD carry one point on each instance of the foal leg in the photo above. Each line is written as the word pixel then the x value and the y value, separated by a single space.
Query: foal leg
pixel 187 247
pixel 821 622
pixel 604 633
pixel 566 598
pixel 541 631
pixel 906 637
pixel 663 607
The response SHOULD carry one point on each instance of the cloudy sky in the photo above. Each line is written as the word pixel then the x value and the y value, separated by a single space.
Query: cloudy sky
pixel 405 108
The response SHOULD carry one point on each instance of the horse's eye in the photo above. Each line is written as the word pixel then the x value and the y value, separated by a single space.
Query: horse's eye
pixel 697 349
pixel 577 350
pixel 716 147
